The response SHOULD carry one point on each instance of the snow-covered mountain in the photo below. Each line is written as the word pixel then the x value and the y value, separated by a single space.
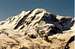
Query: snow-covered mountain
pixel 36 29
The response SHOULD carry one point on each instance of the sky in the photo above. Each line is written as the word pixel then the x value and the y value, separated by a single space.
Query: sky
pixel 13 7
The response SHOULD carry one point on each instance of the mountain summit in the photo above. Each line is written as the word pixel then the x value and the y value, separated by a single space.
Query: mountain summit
pixel 37 29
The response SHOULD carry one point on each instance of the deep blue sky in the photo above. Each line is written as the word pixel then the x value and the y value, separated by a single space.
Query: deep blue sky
pixel 13 7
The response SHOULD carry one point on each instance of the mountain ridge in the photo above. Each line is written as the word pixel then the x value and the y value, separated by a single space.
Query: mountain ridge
pixel 36 28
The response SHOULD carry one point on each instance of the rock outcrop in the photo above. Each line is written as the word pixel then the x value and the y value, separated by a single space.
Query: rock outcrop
pixel 37 29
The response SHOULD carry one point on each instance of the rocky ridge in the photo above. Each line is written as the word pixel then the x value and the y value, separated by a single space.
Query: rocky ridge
pixel 37 29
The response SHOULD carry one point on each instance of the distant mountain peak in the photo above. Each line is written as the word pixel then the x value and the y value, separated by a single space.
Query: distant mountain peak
pixel 35 29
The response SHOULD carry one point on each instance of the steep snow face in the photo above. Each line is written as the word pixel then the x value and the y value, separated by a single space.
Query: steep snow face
pixel 37 28
pixel 37 17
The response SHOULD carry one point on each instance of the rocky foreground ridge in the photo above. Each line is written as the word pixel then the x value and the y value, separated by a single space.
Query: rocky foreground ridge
pixel 37 29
